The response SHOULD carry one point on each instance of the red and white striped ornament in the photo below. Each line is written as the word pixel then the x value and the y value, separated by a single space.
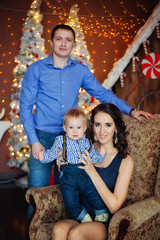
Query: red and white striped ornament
pixel 145 46
pixel 123 74
pixel 134 63
pixel 151 65
pixel 157 30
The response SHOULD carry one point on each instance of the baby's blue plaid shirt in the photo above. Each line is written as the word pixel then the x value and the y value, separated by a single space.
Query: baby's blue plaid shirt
pixel 74 148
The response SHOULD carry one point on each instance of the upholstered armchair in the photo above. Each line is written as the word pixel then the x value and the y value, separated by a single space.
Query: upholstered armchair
pixel 139 217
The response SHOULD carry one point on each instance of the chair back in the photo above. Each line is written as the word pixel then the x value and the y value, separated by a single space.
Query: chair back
pixel 144 147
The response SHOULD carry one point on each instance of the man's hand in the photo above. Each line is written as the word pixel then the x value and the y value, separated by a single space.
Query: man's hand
pixel 37 147
pixel 137 114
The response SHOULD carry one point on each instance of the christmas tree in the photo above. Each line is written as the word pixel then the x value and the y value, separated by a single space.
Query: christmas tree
pixel 81 54
pixel 31 49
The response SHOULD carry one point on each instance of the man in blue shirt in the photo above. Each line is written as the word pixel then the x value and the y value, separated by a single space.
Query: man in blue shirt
pixel 53 84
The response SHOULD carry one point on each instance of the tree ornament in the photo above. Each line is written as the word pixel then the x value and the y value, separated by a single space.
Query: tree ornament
pixel 123 74
pixel 157 30
pixel 151 65
pixel 92 99
pixel 145 47
pixel 134 63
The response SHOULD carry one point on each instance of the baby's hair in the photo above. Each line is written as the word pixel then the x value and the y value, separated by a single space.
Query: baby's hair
pixel 75 113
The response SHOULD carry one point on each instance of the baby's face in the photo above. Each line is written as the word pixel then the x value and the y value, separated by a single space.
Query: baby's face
pixel 75 127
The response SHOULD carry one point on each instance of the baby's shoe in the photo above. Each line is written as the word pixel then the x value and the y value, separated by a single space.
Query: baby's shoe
pixel 102 217
pixel 87 218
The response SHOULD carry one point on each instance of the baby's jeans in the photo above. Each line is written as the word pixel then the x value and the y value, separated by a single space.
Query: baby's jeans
pixel 74 181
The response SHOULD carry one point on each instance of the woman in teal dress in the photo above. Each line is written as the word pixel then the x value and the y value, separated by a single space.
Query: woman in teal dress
pixel 111 177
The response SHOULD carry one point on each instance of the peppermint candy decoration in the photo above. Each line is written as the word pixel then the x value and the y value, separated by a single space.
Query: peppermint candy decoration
pixel 151 65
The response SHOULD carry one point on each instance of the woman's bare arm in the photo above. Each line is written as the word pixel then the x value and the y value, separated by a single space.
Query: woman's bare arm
pixel 112 200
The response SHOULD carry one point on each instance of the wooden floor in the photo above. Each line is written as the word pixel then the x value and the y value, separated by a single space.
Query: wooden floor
pixel 13 212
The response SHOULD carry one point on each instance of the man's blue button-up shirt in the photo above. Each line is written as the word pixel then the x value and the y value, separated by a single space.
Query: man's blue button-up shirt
pixel 54 90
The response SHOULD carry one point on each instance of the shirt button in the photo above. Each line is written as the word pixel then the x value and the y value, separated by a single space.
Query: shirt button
pixel 62 105
pixel 62 81
pixel 62 94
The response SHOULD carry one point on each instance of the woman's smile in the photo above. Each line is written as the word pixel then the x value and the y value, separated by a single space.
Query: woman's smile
pixel 102 136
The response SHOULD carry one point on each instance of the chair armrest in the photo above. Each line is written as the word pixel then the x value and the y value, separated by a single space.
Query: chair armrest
pixel 48 206
pixel 136 215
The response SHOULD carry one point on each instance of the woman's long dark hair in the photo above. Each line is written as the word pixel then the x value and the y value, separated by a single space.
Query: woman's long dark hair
pixel 116 115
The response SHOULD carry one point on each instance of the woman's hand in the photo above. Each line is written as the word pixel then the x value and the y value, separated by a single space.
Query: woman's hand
pixel 88 165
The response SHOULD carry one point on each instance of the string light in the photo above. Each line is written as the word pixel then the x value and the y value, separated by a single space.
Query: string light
pixel 91 24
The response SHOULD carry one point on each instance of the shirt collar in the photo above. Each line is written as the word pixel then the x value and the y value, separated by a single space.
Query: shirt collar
pixel 49 61
pixel 80 141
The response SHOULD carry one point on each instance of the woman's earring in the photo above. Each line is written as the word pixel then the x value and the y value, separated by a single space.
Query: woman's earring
pixel 115 137
pixel 95 138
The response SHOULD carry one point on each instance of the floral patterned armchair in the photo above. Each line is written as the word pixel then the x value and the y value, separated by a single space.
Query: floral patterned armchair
pixel 139 217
